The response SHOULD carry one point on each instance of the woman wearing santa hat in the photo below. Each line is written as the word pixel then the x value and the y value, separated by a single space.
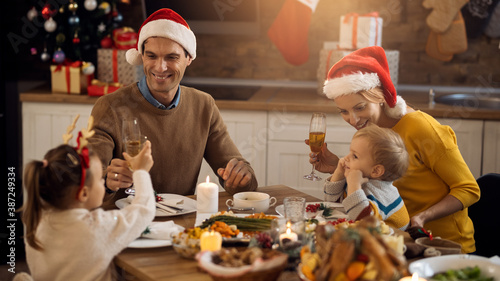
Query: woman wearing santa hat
pixel 438 186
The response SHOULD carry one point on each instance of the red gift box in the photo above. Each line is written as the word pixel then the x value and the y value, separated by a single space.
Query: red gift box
pixel 98 88
pixel 124 38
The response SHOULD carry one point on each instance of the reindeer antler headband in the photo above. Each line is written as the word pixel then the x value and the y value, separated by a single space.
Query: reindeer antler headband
pixel 81 147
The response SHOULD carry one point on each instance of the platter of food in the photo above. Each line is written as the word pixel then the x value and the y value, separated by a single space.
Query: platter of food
pixel 235 229
pixel 456 265
pixel 351 251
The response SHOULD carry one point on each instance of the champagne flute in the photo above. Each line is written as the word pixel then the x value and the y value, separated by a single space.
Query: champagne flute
pixel 131 136
pixel 317 131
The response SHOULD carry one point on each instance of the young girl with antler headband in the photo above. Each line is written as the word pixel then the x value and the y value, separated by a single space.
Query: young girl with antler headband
pixel 68 237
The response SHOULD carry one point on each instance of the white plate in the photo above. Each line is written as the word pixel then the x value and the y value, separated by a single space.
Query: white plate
pixel 337 213
pixel 188 207
pixel 149 243
pixel 427 267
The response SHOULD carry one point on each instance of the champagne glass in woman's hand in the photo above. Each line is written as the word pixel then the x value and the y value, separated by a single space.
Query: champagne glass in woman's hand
pixel 317 131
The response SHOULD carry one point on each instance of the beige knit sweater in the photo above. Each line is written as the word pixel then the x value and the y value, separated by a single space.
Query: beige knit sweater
pixel 180 137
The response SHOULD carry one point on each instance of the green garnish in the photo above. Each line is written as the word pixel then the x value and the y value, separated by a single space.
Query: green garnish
pixel 243 224
pixel 327 211
pixel 467 273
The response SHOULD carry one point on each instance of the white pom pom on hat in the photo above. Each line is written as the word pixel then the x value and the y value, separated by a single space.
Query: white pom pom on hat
pixel 364 69
pixel 163 23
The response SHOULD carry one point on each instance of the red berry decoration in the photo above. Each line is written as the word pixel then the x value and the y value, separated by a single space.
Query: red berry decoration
pixel 106 42
pixel 48 11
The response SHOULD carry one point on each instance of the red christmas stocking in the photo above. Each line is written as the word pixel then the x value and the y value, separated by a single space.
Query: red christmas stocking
pixel 290 29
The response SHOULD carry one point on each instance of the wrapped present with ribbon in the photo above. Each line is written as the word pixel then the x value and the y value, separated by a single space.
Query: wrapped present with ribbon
pixel 68 78
pixel 112 67
pixel 359 31
pixel 98 88
pixel 124 38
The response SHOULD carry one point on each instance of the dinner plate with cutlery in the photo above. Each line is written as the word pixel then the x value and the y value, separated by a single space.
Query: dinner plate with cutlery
pixel 167 204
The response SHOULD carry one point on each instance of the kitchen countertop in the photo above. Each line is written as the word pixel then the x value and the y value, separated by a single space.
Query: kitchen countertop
pixel 289 100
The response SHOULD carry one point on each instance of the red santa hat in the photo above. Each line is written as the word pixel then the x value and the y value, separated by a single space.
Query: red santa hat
pixel 163 23
pixel 364 69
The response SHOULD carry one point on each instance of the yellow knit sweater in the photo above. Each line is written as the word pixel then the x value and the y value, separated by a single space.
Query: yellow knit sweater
pixel 437 169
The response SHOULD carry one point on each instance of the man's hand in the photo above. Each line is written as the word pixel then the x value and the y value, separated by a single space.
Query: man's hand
pixel 236 174
pixel 118 175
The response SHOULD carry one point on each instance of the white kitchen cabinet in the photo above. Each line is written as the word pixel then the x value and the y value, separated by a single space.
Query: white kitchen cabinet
pixel 249 133
pixel 491 149
pixel 272 141
pixel 288 155
pixel 470 141
pixel 45 123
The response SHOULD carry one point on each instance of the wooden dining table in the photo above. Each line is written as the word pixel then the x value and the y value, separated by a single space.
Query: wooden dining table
pixel 163 263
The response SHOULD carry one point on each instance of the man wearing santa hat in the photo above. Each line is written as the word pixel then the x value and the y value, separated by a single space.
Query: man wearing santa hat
pixel 438 186
pixel 183 124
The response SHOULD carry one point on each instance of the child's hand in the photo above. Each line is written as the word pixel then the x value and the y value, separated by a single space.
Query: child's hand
pixel 339 171
pixel 354 180
pixel 143 160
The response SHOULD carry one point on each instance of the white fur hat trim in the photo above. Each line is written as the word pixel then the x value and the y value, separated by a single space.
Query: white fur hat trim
pixel 398 110
pixel 163 28
pixel 349 84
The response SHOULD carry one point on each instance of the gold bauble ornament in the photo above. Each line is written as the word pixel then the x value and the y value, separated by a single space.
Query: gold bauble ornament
pixel 73 6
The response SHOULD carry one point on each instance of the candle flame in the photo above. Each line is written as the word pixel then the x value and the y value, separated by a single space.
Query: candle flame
pixel 288 227
pixel 208 179
pixel 414 277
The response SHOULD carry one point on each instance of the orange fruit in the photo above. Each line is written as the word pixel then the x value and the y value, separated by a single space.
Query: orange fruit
pixel 308 272
pixel 304 250
pixel 355 270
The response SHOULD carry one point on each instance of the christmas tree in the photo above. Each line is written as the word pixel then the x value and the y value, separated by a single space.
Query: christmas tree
pixel 73 29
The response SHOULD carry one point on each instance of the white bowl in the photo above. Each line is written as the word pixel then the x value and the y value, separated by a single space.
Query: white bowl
pixel 428 267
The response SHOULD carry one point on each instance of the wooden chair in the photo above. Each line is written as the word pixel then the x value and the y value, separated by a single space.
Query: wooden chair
pixel 486 217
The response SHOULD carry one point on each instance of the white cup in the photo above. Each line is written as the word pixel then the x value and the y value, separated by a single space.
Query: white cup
pixel 259 201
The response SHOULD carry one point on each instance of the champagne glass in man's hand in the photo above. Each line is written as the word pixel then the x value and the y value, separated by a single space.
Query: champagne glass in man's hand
pixel 317 131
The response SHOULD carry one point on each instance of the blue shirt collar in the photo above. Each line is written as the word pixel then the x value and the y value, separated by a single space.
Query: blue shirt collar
pixel 143 88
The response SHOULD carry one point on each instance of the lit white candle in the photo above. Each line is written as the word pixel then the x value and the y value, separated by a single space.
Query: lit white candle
pixel 414 277
pixel 292 236
pixel 207 197
pixel 210 241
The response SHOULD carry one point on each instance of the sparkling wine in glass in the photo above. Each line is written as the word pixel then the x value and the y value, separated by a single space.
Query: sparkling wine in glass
pixel 131 136
pixel 317 131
